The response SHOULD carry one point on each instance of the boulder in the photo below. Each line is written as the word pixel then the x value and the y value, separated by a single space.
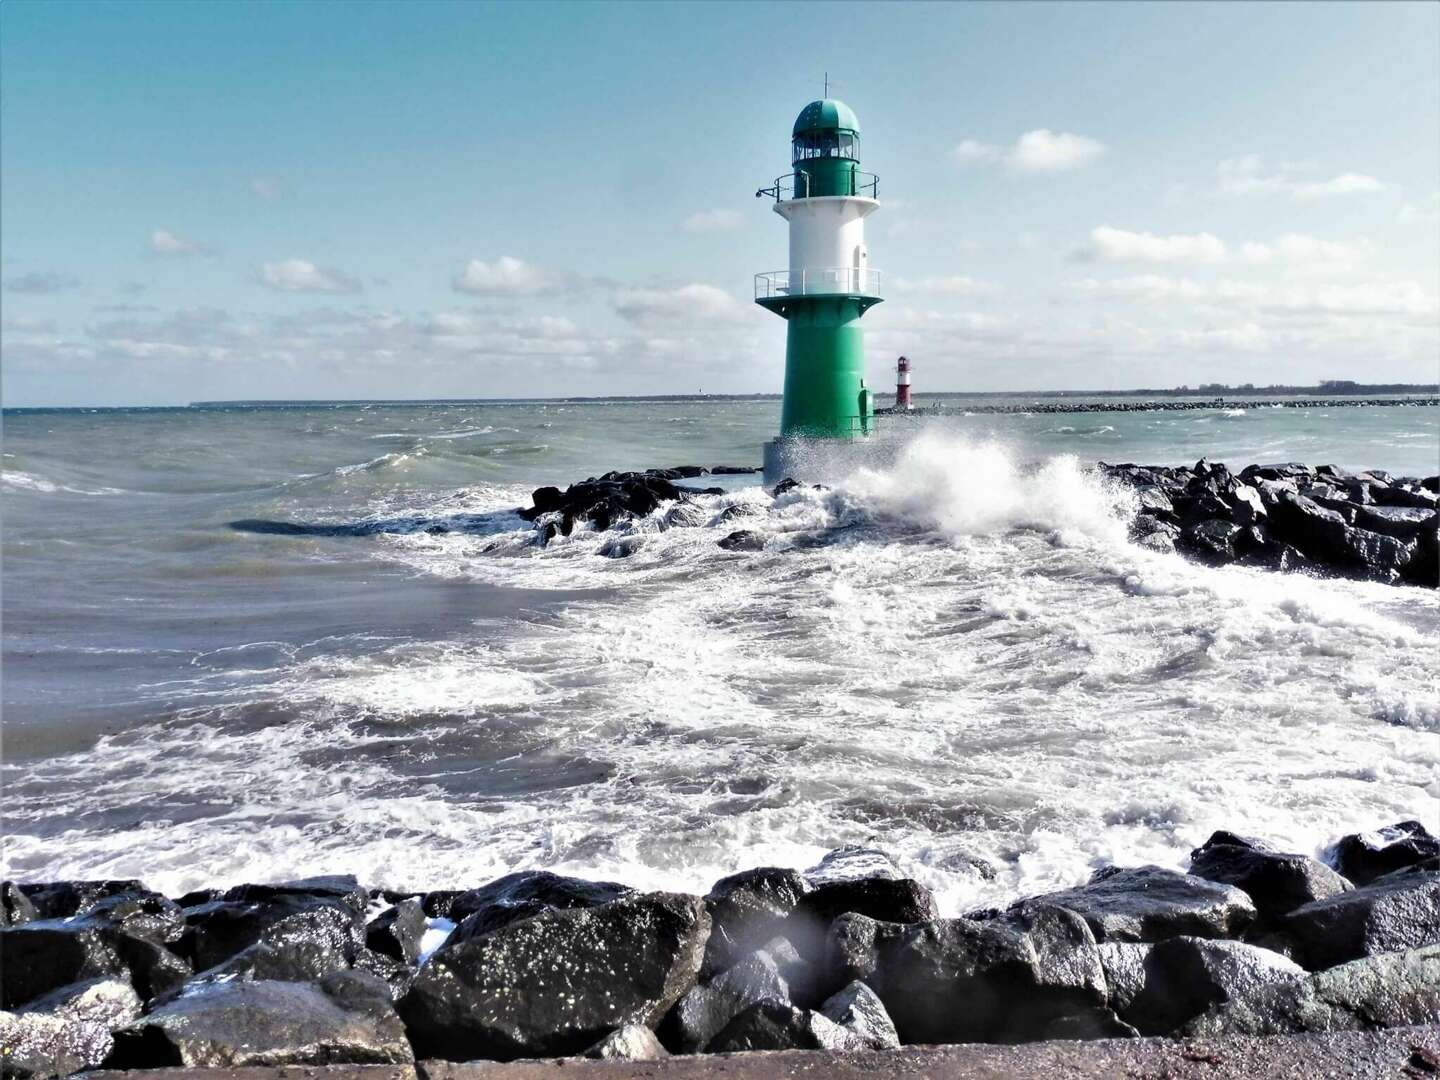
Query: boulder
pixel 852 863
pixel 859 1010
pixel 62 899
pixel 397 931
pixel 1276 882
pixel 746 910
pixel 67 1030
pixel 704 1011
pixel 1247 506
pixel 305 947
pixel 1182 977
pixel 772 1025
pixel 1394 989
pixel 742 540
pixel 1150 903
pixel 1213 539
pixel 523 894
pixel 1154 534
pixel 1320 533
pixel 46 954
pixel 896 900
pixel 854 946
pixel 43 1045
pixel 788 484
pixel 622 547
pixel 15 906
pixel 1400 911
pixel 347 1019
pixel 965 980
pixel 1363 857
pixel 1123 965
pixel 336 888
pixel 302 930
pixel 633 1042
pixel 557 982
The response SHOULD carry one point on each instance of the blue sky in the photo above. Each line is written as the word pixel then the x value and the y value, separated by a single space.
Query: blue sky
pixel 412 200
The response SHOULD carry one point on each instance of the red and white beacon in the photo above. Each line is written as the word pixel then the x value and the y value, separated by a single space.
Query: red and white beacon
pixel 902 384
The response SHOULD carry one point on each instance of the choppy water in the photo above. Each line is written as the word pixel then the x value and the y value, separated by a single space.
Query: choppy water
pixel 960 662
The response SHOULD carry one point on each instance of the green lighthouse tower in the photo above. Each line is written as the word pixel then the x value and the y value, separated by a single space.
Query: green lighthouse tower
pixel 827 288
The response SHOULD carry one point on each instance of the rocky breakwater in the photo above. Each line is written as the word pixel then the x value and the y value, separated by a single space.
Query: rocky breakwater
pixel 1290 517
pixel 850 955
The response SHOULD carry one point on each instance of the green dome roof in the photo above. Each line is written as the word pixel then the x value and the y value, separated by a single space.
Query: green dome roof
pixel 827 115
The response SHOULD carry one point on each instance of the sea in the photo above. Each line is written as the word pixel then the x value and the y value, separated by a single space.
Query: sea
pixel 953 655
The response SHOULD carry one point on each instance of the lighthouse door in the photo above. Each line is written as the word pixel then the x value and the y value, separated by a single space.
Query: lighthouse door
pixel 861 258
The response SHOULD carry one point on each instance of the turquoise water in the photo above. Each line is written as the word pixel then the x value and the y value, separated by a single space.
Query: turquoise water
pixel 957 656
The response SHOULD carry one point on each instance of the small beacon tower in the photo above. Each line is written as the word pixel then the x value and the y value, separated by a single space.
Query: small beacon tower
pixel 828 286
pixel 902 384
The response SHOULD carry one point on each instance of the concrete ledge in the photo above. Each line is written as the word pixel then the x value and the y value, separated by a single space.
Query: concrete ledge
pixel 1398 1053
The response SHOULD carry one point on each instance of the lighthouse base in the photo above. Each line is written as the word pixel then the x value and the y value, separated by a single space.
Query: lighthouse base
pixel 825 461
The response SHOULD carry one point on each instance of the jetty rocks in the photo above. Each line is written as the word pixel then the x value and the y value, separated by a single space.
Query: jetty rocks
pixel 1328 520
pixel 848 956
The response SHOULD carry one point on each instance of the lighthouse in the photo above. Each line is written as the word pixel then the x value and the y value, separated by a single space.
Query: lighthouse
pixel 828 287
pixel 902 384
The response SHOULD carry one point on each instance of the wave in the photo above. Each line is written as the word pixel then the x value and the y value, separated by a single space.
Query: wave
pixel 23 481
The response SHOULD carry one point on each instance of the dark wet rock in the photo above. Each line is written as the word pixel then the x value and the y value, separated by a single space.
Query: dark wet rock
pixel 852 863
pixel 111 1002
pixel 1288 517
pixel 397 931
pixel 1150 903
pixel 734 470
pixel 347 1019
pixel 603 502
pixel 1395 989
pixel 633 1042
pixel 746 910
pixel 523 894
pixel 1123 965
pixel 1211 539
pixel 221 929
pixel 622 548
pixel 704 1011
pixel 736 511
pixel 1400 911
pixel 685 515
pixel 743 540
pixel 437 904
pixel 1363 857
pixel 1276 882
pixel 772 1025
pixel 1183 977
pixel 902 900
pixel 788 484
pixel 15 906
pixel 854 945
pixel 963 980
pixel 582 973
pixel 305 947
pixel 62 899
pixel 334 888
pixel 859 1010
pixel 46 954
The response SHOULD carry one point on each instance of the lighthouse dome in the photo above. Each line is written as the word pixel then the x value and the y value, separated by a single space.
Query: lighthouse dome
pixel 826 115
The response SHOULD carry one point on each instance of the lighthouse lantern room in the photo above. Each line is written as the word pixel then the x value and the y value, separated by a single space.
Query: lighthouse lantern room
pixel 829 284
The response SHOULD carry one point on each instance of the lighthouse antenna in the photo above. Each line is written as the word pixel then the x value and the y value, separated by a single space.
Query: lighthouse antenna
pixel 826 92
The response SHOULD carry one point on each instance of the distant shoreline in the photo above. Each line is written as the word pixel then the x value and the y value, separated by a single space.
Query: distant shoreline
pixel 1194 397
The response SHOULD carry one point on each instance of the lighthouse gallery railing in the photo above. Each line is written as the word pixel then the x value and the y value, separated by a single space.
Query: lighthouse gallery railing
pixel 818 281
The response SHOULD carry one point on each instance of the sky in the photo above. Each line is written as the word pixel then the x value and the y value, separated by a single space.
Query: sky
pixel 329 200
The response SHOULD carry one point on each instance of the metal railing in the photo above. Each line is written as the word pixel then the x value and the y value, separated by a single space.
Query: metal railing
pixel 820 281
pixel 796 185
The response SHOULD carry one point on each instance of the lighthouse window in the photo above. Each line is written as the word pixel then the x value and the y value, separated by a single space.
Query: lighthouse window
pixel 824 144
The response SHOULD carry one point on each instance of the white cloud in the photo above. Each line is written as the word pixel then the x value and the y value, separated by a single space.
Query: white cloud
pixel 953 285
pixel 506 276
pixel 970 152
pixel 1425 210
pixel 266 187
pixel 302 275
pixel 1145 287
pixel 165 242
pixel 1120 245
pixel 1038 151
pixel 689 303
pixel 1249 175
pixel 1308 254
pixel 713 221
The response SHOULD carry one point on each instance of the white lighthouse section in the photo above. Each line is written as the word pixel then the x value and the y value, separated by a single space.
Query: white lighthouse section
pixel 827 245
